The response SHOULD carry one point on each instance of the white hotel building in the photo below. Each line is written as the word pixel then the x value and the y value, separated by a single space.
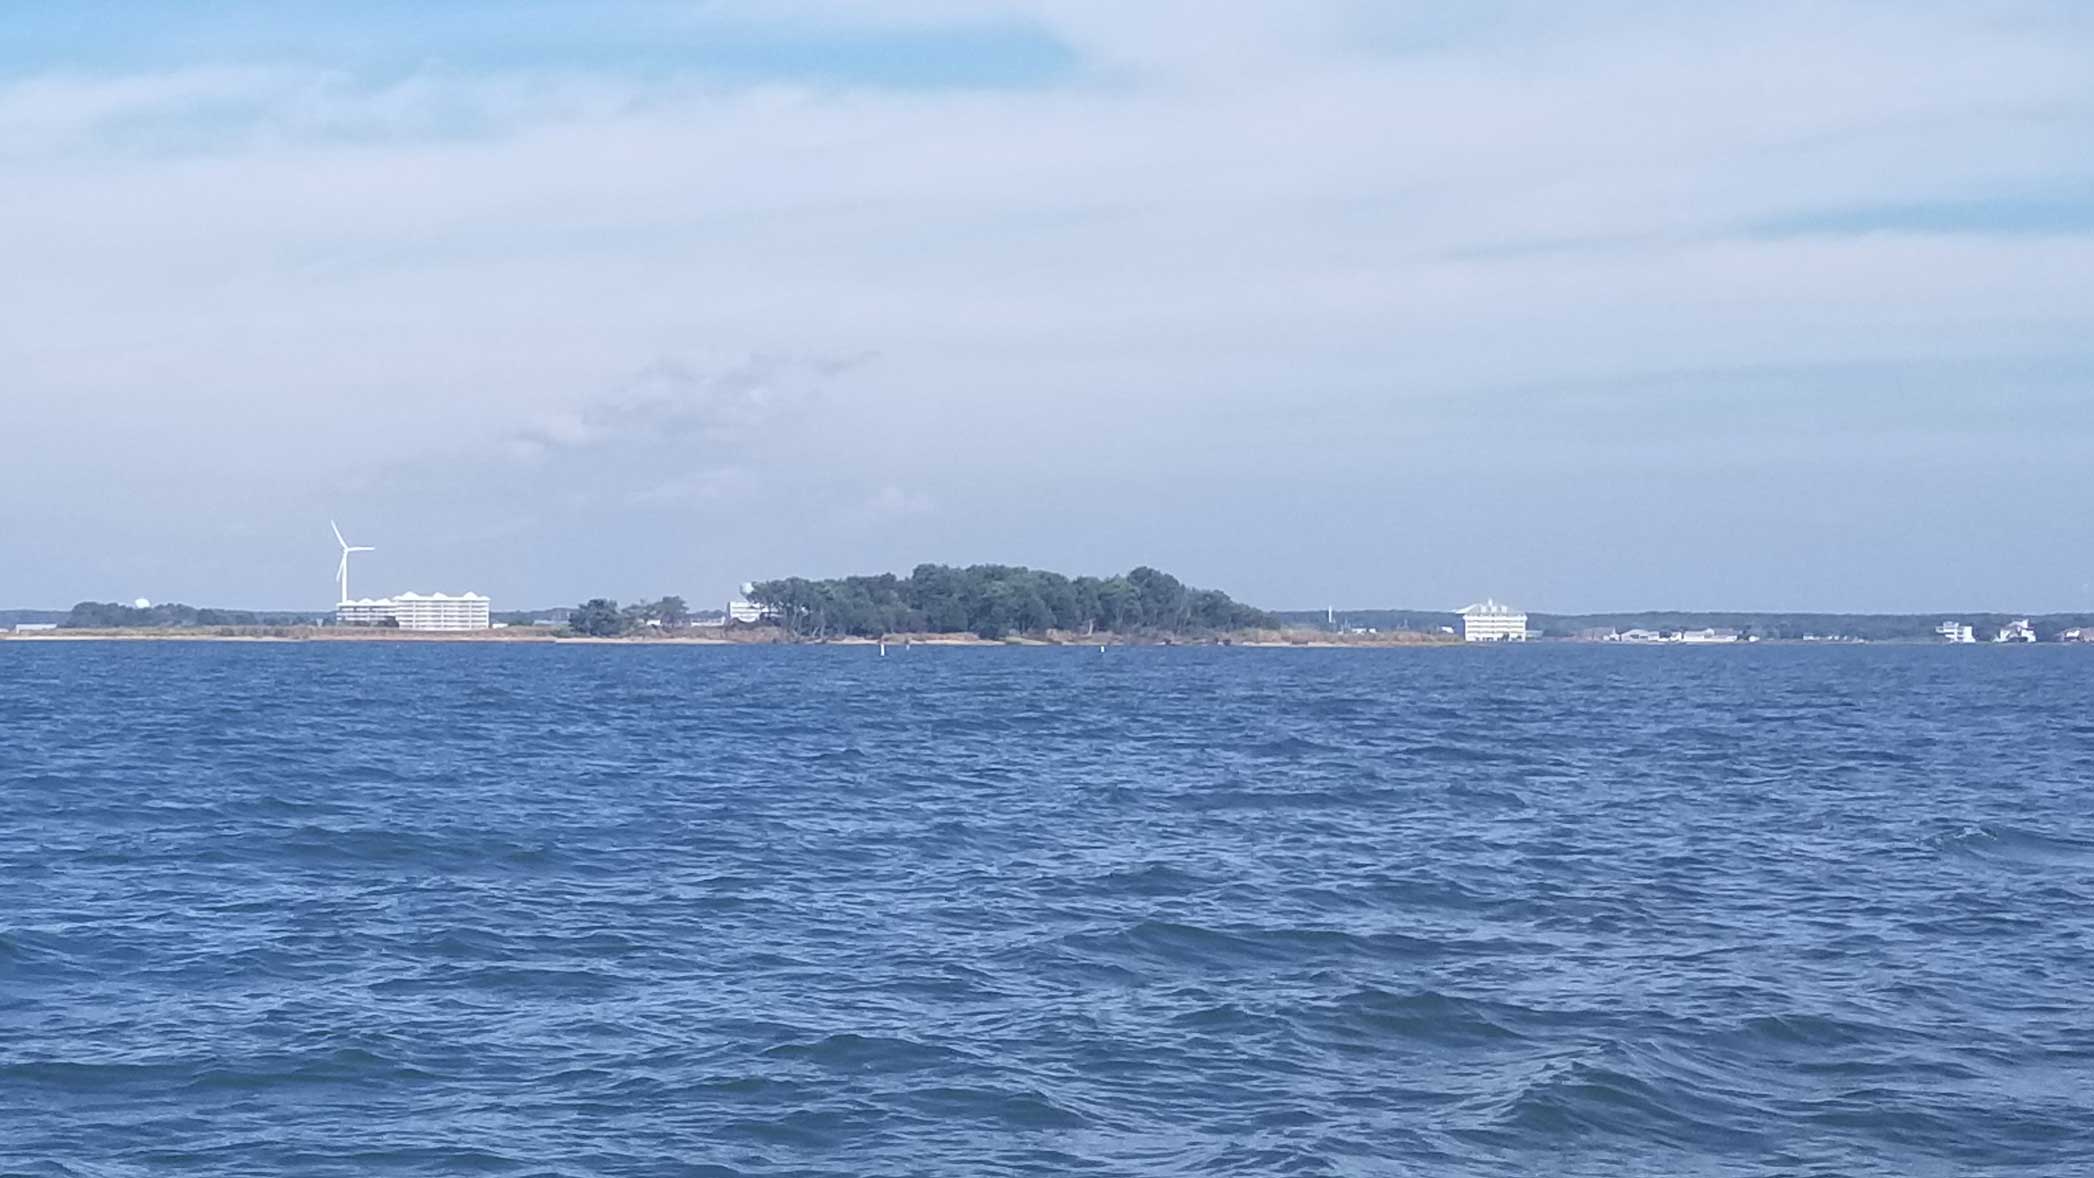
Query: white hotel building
pixel 1493 621
pixel 413 611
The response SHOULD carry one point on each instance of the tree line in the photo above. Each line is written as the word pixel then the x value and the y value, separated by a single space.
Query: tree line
pixel 993 600
pixel 601 617
pixel 111 615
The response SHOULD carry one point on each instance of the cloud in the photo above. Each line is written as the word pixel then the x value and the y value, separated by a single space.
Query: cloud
pixel 1119 279
pixel 672 403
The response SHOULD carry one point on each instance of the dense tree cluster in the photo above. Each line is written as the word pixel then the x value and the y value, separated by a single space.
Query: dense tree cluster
pixel 110 615
pixel 601 617
pixel 992 601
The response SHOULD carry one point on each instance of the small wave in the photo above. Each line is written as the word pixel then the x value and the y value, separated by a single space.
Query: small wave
pixel 2015 844
pixel 1008 1109
pixel 1148 880
pixel 851 1052
pixel 27 951
pixel 1287 748
pixel 1588 1099
pixel 1177 943
pixel 842 756
pixel 83 1077
pixel 1811 1030
pixel 1447 753
pixel 1477 797
pixel 351 1066
pixel 1429 1016
pixel 1289 797
pixel 507 981
pixel 1338 707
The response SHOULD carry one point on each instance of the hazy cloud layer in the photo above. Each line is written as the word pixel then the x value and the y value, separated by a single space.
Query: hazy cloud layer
pixel 1696 306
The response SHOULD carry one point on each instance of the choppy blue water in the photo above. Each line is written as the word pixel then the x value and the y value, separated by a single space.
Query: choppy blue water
pixel 400 909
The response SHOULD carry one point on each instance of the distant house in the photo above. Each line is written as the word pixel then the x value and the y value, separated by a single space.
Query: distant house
pixel 748 612
pixel 1703 636
pixel 2016 631
pixel 1492 621
pixel 1956 632
pixel 34 627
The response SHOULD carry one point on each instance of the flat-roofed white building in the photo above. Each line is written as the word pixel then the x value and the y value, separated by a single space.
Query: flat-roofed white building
pixel 439 611
pixel 1493 621
pixel 1957 632
pixel 364 611
pixel 415 611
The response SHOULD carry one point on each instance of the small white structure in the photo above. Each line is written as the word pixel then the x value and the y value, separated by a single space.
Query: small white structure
pixel 34 627
pixel 2016 631
pixel 415 611
pixel 1493 621
pixel 1703 636
pixel 1956 632
pixel 741 609
pixel 748 612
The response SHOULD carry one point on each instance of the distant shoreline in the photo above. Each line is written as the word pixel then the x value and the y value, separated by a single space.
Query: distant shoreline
pixel 1264 640
pixel 1254 640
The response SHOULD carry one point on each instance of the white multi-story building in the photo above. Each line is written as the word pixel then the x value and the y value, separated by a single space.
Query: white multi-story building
pixel 415 611
pixel 1493 621
pixel 2018 631
pixel 364 611
pixel 1956 632
pixel 1712 635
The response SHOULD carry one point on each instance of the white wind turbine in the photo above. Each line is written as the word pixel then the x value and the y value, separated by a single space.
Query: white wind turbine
pixel 342 573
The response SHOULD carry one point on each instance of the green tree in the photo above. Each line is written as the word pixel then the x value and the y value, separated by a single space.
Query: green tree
pixel 994 600
pixel 598 617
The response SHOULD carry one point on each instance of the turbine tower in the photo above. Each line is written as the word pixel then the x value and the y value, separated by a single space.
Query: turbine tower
pixel 342 572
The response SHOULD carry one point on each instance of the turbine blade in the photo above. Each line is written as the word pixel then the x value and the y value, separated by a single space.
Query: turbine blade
pixel 337 534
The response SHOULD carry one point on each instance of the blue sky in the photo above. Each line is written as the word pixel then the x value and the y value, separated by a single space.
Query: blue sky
pixel 381 41
pixel 1583 307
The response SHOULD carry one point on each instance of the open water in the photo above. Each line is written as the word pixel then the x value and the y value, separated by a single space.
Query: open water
pixel 384 909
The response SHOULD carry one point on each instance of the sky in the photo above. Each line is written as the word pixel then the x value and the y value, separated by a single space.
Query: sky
pixel 1584 307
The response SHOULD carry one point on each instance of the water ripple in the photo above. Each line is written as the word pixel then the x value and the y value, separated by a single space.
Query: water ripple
pixel 541 911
